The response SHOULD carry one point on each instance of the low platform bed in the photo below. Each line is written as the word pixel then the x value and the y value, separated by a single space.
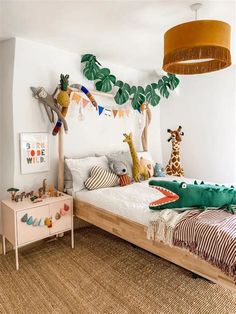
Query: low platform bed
pixel 134 230
pixel 136 233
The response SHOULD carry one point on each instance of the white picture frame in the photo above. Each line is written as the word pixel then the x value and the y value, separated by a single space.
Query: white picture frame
pixel 34 151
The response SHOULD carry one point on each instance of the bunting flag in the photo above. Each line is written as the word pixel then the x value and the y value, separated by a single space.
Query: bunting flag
pixel 121 113
pixel 100 110
pixel 114 112
pixel 84 102
pixel 107 112
pixel 76 97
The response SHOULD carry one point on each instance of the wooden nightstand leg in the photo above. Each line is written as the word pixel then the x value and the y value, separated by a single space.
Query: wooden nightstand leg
pixel 17 258
pixel 4 245
pixel 72 238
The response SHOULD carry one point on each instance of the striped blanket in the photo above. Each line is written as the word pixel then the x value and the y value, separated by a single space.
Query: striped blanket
pixel 211 235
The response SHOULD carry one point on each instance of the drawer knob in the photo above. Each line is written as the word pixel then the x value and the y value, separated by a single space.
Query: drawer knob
pixel 48 222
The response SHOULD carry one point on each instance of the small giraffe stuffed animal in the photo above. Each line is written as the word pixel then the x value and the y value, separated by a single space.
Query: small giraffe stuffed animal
pixel 174 167
pixel 138 170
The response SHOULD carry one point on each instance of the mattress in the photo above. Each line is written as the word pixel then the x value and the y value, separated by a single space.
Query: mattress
pixel 131 201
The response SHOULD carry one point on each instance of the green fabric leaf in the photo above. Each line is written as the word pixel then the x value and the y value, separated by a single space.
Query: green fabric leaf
pixel 87 57
pixel 163 86
pixel 119 84
pixel 106 80
pixel 173 81
pixel 151 96
pixel 122 95
pixel 138 98
pixel 141 90
pixel 91 70
pixel 154 85
pixel 133 89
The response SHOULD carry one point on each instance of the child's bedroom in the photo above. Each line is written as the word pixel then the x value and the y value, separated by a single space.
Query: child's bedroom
pixel 118 157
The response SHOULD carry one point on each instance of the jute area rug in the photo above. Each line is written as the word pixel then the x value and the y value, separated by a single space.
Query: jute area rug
pixel 103 274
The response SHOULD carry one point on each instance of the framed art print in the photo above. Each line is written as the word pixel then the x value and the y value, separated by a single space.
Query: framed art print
pixel 34 149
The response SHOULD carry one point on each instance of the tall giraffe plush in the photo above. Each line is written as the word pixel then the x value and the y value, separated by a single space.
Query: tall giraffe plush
pixel 174 167
pixel 138 170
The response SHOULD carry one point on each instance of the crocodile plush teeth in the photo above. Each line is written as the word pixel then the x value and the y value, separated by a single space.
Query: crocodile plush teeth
pixel 168 197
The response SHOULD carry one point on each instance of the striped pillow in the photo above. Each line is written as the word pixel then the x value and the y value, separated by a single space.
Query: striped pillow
pixel 101 178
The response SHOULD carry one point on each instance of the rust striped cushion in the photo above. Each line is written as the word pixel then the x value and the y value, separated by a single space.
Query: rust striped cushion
pixel 125 180
pixel 101 178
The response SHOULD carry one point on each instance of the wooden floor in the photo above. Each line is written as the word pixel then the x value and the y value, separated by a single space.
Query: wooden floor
pixel 136 234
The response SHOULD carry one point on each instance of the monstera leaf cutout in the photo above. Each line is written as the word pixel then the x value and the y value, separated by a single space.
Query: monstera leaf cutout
pixel 105 80
pixel 163 85
pixel 173 81
pixel 123 93
pixel 138 98
pixel 91 68
pixel 151 96
pixel 88 57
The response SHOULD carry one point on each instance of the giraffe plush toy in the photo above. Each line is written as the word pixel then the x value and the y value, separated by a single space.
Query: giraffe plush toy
pixel 138 169
pixel 174 167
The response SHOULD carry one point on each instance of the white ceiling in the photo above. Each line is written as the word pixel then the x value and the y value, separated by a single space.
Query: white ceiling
pixel 125 32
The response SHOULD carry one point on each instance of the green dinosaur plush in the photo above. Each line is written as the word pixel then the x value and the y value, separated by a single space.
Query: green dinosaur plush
pixel 192 196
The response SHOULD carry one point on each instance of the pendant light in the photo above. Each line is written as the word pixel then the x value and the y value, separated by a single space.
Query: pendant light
pixel 198 46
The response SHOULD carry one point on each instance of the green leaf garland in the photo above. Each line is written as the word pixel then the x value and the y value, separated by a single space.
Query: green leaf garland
pixel 105 81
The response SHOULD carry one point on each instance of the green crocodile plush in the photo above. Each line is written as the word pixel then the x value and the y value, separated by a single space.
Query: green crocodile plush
pixel 192 196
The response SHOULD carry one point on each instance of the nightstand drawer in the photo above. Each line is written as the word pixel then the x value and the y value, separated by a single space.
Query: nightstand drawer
pixel 32 228
pixel 61 214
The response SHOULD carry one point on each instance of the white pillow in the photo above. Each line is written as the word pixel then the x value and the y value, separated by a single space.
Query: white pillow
pixel 80 169
pixel 146 155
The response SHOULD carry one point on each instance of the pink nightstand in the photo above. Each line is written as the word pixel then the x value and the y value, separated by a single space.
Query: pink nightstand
pixel 24 222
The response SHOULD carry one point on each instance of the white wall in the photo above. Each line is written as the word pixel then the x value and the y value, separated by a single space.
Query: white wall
pixel 7 52
pixel 40 65
pixel 206 109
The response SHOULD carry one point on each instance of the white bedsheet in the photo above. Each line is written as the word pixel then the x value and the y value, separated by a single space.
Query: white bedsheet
pixel 131 201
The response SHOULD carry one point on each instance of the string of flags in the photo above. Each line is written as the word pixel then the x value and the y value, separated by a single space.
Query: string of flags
pixel 102 110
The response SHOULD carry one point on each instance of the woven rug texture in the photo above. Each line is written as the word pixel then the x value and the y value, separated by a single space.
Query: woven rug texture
pixel 103 274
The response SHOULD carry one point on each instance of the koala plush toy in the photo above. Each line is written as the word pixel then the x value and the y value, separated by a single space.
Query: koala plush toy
pixel 120 169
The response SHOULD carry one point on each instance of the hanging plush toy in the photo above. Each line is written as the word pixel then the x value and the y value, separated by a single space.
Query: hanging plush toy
pixel 50 104
pixel 63 100
pixel 61 103
pixel 174 167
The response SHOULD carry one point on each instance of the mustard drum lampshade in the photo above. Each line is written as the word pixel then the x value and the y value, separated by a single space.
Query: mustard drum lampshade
pixel 196 47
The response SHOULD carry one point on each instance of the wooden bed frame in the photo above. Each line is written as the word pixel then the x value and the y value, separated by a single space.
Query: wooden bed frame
pixel 136 233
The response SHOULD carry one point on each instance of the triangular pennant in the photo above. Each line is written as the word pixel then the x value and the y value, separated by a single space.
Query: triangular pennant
pixel 100 110
pixel 121 113
pixel 127 112
pixel 84 102
pixel 114 112
pixel 107 112
pixel 76 97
